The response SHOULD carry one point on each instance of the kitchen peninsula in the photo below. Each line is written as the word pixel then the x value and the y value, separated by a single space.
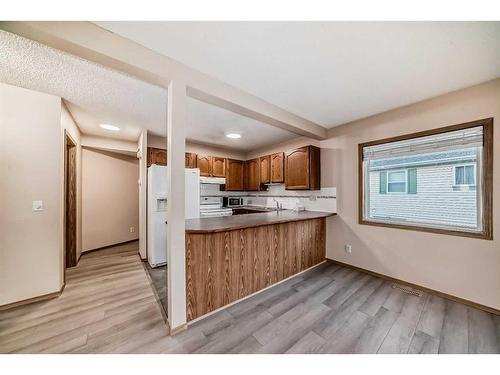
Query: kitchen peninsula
pixel 229 258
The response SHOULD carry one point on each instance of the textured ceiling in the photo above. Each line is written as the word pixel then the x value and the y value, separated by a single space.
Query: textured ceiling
pixel 94 94
pixel 330 72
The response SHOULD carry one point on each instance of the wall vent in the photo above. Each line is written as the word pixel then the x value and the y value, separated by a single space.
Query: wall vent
pixel 408 290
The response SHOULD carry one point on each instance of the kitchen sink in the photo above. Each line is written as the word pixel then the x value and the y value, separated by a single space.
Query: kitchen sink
pixel 251 210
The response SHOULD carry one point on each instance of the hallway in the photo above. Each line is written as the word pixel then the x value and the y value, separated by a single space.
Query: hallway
pixel 108 306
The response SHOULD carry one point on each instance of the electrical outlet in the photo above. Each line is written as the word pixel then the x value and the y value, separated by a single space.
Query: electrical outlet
pixel 348 248
pixel 132 229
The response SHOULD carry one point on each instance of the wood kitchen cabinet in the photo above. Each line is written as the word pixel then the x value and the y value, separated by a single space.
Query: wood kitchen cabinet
pixel 190 160
pixel 234 175
pixel 204 163
pixel 265 169
pixel 252 174
pixel 278 167
pixel 302 168
pixel 211 166
pixel 218 167
pixel 156 156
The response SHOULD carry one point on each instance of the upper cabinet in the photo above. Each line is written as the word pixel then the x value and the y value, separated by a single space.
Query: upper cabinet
pixel 302 168
pixel 299 169
pixel 265 169
pixel 218 167
pixel 252 174
pixel 204 163
pixel 190 160
pixel 278 167
pixel 234 175
pixel 157 156
pixel 211 166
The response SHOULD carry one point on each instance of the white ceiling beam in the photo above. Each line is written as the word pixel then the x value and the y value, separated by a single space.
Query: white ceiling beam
pixel 88 41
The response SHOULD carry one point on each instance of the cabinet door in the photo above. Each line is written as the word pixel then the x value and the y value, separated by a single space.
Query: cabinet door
pixel 297 169
pixel 204 163
pixel 160 156
pixel 265 169
pixel 190 160
pixel 277 167
pixel 218 167
pixel 157 156
pixel 234 175
pixel 252 174
pixel 150 157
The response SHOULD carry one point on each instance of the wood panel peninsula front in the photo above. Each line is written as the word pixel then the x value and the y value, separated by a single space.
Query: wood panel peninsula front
pixel 231 257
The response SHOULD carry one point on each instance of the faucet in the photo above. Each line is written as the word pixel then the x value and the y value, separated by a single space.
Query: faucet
pixel 278 205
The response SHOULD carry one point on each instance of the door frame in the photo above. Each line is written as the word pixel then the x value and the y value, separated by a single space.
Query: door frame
pixel 69 142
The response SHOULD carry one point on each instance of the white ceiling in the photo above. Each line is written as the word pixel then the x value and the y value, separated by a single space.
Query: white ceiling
pixel 95 95
pixel 208 124
pixel 330 72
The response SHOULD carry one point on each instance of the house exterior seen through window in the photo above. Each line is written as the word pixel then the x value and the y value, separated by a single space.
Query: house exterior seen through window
pixel 432 181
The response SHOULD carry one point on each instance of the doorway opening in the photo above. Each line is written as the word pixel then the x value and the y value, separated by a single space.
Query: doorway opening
pixel 70 258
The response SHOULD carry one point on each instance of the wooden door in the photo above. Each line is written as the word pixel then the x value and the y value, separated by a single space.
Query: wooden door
pixel 297 169
pixel 204 163
pixel 252 174
pixel 234 175
pixel 218 167
pixel 190 160
pixel 265 169
pixel 277 167
pixel 70 204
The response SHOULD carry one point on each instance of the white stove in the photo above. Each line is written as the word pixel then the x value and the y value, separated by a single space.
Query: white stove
pixel 212 207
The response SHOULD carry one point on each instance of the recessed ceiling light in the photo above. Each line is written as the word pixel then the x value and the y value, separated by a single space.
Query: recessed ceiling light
pixel 110 127
pixel 233 135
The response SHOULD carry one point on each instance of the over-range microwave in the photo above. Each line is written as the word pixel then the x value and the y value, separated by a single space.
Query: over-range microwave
pixel 232 201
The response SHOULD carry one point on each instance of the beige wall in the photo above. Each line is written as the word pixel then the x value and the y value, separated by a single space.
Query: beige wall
pixel 110 198
pixel 463 267
pixel 30 169
pixel 69 126
pixel 197 148
pixel 289 145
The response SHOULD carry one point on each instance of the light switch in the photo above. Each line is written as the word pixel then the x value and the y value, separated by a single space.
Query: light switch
pixel 37 205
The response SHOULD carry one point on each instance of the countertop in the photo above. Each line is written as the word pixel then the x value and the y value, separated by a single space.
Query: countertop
pixel 226 223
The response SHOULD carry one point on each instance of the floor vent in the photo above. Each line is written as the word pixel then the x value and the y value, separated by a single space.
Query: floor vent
pixel 408 290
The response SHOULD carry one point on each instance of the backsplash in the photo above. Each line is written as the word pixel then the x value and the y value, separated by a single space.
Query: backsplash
pixel 313 200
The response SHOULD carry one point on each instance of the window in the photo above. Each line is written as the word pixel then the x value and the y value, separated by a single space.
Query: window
pixel 438 181
pixel 465 175
pixel 396 181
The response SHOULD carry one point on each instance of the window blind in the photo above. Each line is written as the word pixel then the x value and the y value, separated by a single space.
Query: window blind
pixel 465 138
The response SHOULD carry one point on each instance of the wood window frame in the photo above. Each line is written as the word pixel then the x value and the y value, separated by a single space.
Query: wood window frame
pixel 486 181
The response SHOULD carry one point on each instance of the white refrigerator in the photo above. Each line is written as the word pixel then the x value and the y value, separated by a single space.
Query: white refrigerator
pixel 157 209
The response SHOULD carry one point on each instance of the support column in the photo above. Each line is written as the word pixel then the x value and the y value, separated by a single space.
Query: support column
pixel 176 144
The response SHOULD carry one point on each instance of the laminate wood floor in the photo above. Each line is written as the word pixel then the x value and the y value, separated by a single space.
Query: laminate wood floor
pixel 109 306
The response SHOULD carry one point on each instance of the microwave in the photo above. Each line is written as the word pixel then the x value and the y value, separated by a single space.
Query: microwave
pixel 232 201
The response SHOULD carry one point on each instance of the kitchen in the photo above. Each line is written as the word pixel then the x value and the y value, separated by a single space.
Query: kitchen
pixel 268 188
